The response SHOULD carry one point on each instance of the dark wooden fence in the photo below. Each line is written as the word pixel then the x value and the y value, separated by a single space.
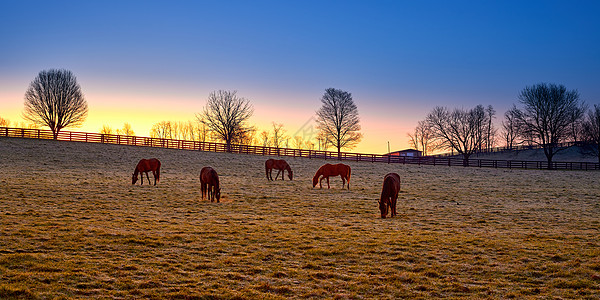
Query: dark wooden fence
pixel 272 151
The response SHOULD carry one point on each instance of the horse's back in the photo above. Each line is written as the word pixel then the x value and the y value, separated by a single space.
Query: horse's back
pixel 325 169
pixel 154 162
pixel 269 163
pixel 145 165
pixel 209 175
pixel 392 181
pixel 282 164
pixel 343 169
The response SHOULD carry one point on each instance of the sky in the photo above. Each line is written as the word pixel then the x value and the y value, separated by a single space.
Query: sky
pixel 143 62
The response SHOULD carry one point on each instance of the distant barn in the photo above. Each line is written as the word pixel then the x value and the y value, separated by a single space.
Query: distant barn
pixel 407 152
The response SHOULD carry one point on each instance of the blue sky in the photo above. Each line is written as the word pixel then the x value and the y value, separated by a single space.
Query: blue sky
pixel 147 61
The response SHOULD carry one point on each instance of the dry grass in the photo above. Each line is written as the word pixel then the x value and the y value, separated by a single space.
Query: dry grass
pixel 72 226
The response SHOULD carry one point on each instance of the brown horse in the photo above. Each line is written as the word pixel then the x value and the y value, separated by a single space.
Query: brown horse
pixel 389 194
pixel 327 170
pixel 145 166
pixel 209 181
pixel 278 164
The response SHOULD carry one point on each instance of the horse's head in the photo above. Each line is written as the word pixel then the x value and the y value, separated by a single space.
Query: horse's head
pixel 134 178
pixel 315 180
pixel 290 174
pixel 383 208
pixel 218 194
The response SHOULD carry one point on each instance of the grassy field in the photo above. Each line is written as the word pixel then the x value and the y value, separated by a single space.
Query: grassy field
pixel 73 226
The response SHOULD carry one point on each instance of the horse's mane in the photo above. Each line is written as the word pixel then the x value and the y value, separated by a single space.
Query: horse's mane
pixel 216 177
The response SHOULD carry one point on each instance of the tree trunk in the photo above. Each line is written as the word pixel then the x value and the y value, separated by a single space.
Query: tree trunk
pixel 466 159
pixel 549 162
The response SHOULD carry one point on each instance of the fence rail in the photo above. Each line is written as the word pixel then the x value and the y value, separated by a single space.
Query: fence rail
pixel 272 151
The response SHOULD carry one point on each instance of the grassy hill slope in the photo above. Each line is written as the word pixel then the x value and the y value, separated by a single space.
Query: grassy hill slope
pixel 73 226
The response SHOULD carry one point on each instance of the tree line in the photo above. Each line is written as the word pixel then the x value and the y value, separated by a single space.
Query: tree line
pixel 55 99
pixel 546 115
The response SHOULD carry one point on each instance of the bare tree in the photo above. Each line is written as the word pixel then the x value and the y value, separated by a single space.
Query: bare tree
pixel 278 135
pixel 161 130
pixel 576 127
pixel 126 130
pixel 54 99
pixel 187 130
pixel 337 119
pixel 248 137
pixel 549 111
pixel 323 142
pixel 591 131
pixel 265 139
pixel 226 115
pixel 491 131
pixel 4 122
pixel 510 129
pixel 106 129
pixel 204 133
pixel 459 130
pixel 422 139
pixel 298 142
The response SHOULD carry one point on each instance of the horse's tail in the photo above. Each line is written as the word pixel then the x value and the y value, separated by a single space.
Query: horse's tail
pixel 158 172
pixel 267 169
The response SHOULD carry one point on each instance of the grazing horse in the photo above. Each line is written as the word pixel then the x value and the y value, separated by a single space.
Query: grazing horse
pixel 209 181
pixel 278 164
pixel 327 170
pixel 389 194
pixel 145 166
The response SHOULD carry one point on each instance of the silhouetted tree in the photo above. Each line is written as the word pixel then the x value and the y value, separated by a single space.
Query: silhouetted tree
pixel 54 99
pixel 510 129
pixel 126 130
pixel 4 122
pixel 226 115
pixel 460 130
pixel 279 135
pixel 161 130
pixel 106 129
pixel 337 119
pixel 247 138
pixel 265 139
pixel 591 131
pixel 548 112
pixel 298 142
pixel 422 139
pixel 204 133
pixel 491 131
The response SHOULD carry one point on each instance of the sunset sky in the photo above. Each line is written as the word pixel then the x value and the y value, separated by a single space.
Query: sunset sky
pixel 144 62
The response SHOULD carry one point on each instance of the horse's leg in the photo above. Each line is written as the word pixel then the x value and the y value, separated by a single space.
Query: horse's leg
pixel 328 183
pixel 149 178
pixel 321 182
pixel 268 171
pixel 211 194
pixel 154 174
pixel 278 171
pixel 343 181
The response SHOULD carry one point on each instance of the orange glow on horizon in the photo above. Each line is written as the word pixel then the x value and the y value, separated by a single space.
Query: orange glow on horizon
pixel 376 132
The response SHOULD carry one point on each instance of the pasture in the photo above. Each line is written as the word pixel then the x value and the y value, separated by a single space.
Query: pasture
pixel 73 226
